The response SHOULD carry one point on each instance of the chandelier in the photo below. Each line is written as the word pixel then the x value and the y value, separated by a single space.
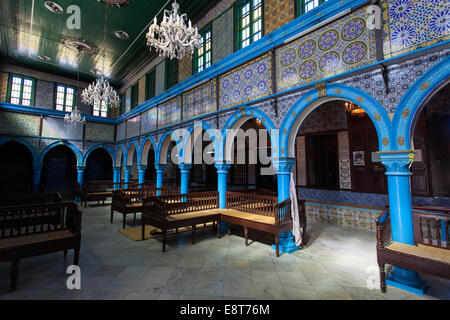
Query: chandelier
pixel 173 39
pixel 101 90
pixel 74 117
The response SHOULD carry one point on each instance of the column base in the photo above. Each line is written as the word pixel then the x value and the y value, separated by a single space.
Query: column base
pixel 223 227
pixel 407 280
pixel 287 244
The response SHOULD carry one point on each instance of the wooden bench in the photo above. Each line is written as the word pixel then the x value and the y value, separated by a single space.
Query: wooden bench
pixel 175 211
pixel 129 201
pixel 430 254
pixel 101 190
pixel 33 230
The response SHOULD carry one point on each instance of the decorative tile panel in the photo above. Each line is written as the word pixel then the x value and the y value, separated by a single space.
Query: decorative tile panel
pixel 328 117
pixel 169 112
pixel 44 94
pixel 249 82
pixel 184 68
pixel 149 120
pixel 141 98
pixel 413 24
pixel 344 161
pixel 223 36
pixel 199 101
pixel 134 126
pixel 277 13
pixel 57 128
pixel 160 76
pixel 121 131
pixel 19 124
pixel 128 99
pixel 3 86
pixel 215 12
pixel 341 46
pixel 99 132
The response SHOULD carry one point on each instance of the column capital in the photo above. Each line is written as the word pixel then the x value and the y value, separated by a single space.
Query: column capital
pixel 222 166
pixel 160 167
pixel 283 165
pixel 37 166
pixel 185 167
pixel 117 168
pixel 127 168
pixel 142 167
pixel 81 168
pixel 397 162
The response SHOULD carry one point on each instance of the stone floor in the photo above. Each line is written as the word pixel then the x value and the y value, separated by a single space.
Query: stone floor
pixel 333 266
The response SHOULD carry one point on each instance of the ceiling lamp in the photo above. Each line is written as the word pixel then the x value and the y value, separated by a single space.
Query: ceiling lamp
pixel 74 117
pixel 353 108
pixel 101 90
pixel 173 39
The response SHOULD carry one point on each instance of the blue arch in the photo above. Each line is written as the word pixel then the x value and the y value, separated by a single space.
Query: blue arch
pixel 75 150
pixel 166 135
pixel 95 147
pixel 117 162
pixel 25 143
pixel 412 102
pixel 213 134
pixel 136 146
pixel 242 115
pixel 141 155
pixel 311 100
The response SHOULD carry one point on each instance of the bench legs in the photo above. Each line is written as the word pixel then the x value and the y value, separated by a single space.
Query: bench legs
pixel 112 215
pixel 277 244
pixel 164 231
pixel 194 227
pixel 382 279
pixel 246 235
pixel 124 220
pixel 14 273
pixel 65 253
pixel 76 256
pixel 143 231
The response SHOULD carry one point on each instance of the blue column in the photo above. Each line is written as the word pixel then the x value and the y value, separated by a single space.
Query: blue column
pixel 80 178
pixel 142 170
pixel 37 168
pixel 116 171
pixel 185 170
pixel 400 211
pixel 222 179
pixel 283 168
pixel 159 176
pixel 127 170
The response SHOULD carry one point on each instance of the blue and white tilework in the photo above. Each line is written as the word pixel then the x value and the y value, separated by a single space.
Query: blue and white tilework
pixel 134 126
pixel 19 124
pixel 169 112
pixel 199 101
pixel 149 120
pixel 121 131
pixel 99 132
pixel 57 128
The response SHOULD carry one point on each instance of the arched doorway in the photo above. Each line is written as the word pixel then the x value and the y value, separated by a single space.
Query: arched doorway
pixel 59 170
pixel 99 166
pixel 16 168
pixel 431 139
pixel 172 174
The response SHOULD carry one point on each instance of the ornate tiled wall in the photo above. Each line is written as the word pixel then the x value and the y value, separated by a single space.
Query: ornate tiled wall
pixel 128 99
pixel 345 181
pixel 199 101
pixel 343 45
pixel 184 68
pixel 57 128
pixel 3 86
pixel 160 78
pixel 19 124
pixel 328 117
pixel 223 36
pixel 141 98
pixel 301 161
pixel 356 218
pixel 412 24
pixel 249 82
pixel 344 197
pixel 169 112
pixel 277 13
pixel 121 131
pixel 149 120
pixel 134 126
pixel 44 94
pixel 99 132
pixel 215 12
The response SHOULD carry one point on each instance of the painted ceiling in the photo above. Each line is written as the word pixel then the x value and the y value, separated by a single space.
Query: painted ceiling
pixel 29 30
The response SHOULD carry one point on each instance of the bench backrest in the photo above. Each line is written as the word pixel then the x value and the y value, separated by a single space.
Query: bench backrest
pixel 431 226
pixel 138 194
pixel 23 220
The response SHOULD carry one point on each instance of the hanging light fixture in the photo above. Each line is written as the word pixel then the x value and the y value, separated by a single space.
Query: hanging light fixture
pixel 101 90
pixel 173 39
pixel 74 117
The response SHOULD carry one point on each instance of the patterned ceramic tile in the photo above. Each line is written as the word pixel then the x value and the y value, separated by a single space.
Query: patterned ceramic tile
pixel 149 120
pixel 184 68
pixel 215 12
pixel 57 128
pixel 133 126
pixel 412 24
pixel 169 112
pixel 19 124
pixel 249 82
pixel 44 95
pixel 141 90
pixel 121 131
pixel 199 101
pixel 3 86
pixel 160 85
pixel 277 13
pixel 341 46
pixel 99 132
pixel 223 36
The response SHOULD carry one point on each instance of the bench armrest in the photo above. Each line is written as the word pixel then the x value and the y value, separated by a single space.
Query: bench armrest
pixel 383 224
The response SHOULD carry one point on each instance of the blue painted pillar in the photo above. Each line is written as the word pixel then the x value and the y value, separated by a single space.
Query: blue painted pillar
pixel 80 178
pixel 222 179
pixel 185 170
pixel 127 170
pixel 116 171
pixel 400 210
pixel 37 168
pixel 142 170
pixel 159 176
pixel 283 167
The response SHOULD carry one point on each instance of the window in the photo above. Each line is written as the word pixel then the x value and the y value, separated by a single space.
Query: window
pixel 304 6
pixel 151 84
pixel 21 90
pixel 134 95
pixel 65 98
pixel 100 109
pixel 249 22
pixel 202 56
pixel 171 73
